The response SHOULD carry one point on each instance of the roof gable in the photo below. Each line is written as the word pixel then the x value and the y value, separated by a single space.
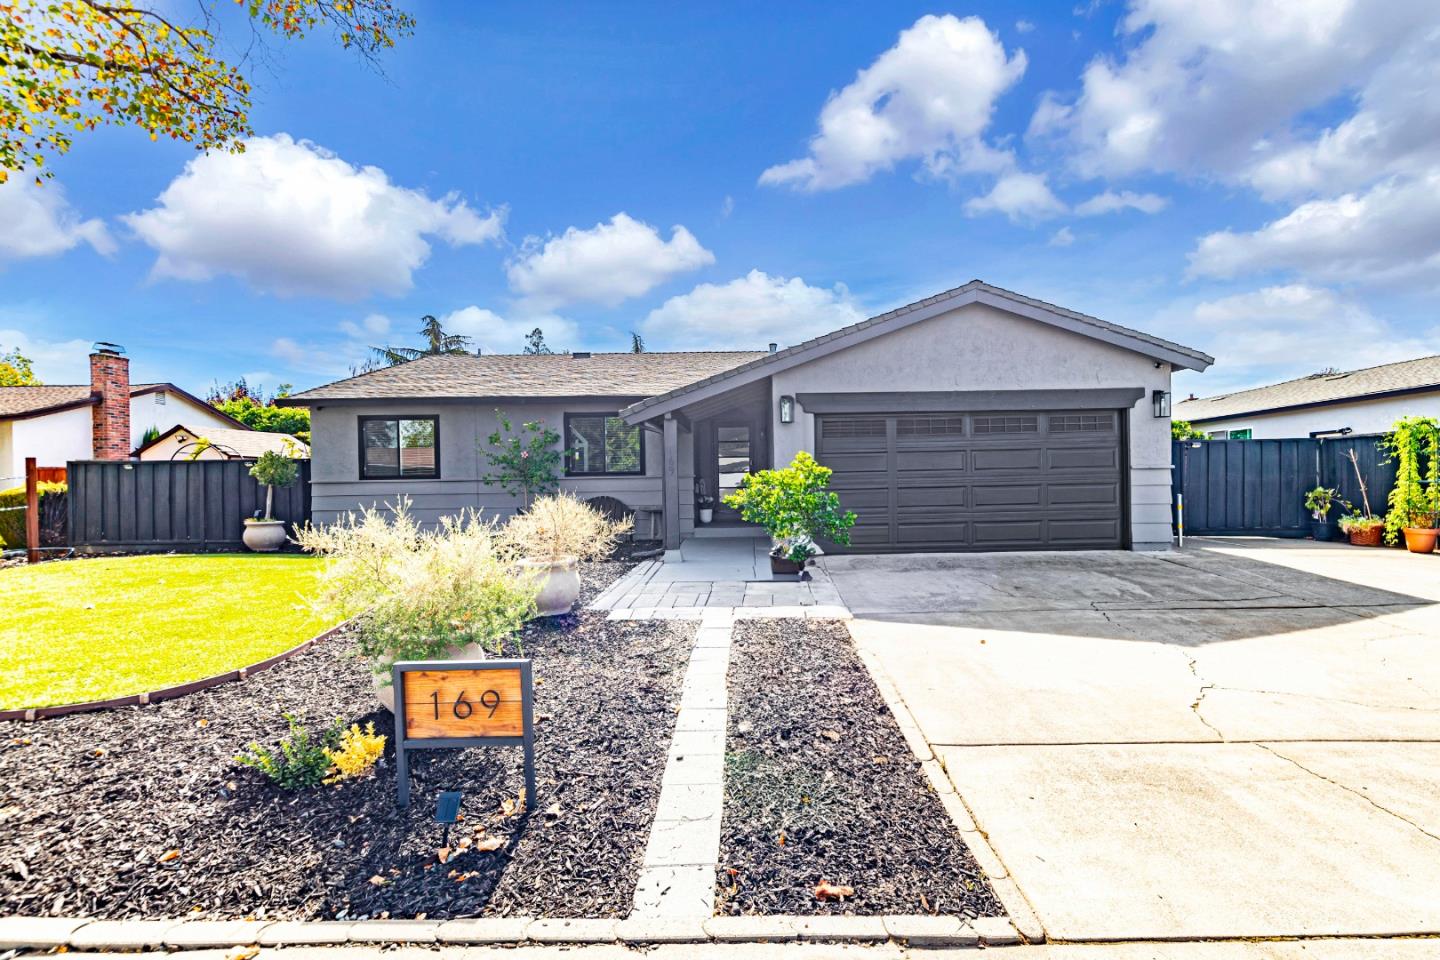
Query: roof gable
pixel 976 291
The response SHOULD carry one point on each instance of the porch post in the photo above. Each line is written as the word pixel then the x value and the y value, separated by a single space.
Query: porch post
pixel 670 484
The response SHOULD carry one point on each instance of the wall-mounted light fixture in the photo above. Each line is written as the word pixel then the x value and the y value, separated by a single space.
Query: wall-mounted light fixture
pixel 1160 401
pixel 787 409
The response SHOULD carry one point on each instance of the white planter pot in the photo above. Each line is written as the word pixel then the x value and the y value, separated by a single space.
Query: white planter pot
pixel 559 584
pixel 264 536
pixel 385 693
pixel 707 514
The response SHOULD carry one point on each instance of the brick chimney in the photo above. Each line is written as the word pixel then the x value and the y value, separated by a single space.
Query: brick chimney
pixel 110 418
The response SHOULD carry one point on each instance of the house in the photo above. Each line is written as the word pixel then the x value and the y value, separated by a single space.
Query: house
pixel 185 442
pixel 977 419
pixel 103 420
pixel 1361 401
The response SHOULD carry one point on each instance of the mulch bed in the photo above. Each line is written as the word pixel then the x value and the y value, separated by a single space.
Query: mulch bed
pixel 92 806
pixel 820 785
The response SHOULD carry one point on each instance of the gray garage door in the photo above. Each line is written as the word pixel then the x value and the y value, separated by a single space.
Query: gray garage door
pixel 978 481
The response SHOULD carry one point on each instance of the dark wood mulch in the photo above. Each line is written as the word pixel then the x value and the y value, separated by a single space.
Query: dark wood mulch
pixel 820 785
pixel 92 805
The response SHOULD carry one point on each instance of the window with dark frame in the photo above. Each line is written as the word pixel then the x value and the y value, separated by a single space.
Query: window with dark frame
pixel 393 448
pixel 598 444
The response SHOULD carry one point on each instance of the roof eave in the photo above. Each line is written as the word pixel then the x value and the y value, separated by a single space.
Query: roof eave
pixel 55 408
pixel 1311 404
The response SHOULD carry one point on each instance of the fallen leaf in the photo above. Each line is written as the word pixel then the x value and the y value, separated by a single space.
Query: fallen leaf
pixel 881 758
pixel 831 735
pixel 782 838
pixel 553 810
pixel 169 855
pixel 443 854
pixel 378 881
pixel 507 807
pixel 825 890
pixel 202 722
pixel 486 844
pixel 242 953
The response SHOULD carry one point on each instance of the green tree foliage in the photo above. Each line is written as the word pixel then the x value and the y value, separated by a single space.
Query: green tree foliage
pixel 1413 445
pixel 239 401
pixel 68 66
pixel 15 369
pixel 437 342
pixel 535 342
pixel 637 342
pixel 795 506
pixel 273 470
pixel 526 462
pixel 1185 430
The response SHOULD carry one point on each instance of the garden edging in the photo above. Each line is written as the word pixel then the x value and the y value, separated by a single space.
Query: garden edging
pixel 48 933
pixel 168 693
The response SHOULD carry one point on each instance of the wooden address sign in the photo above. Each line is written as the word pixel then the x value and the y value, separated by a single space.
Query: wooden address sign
pixel 463 703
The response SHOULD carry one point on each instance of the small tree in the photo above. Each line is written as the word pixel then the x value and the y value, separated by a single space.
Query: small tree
pixel 535 342
pixel 273 471
pixel 794 507
pixel 526 461
pixel 1185 430
pixel 637 342
pixel 15 368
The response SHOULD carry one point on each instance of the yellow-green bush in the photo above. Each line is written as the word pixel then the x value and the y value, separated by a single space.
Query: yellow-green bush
pixel 12 522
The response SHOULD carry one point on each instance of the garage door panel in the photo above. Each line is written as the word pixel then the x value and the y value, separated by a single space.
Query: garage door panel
pixel 958 481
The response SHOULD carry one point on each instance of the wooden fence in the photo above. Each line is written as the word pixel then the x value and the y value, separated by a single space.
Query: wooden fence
pixel 1257 487
pixel 136 506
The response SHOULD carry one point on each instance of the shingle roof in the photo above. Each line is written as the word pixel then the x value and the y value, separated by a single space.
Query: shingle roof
pixel 1319 388
pixel 241 443
pixel 529 375
pixel 29 401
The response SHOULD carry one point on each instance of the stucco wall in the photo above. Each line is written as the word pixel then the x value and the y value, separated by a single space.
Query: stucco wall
pixel 335 468
pixel 978 347
pixel 52 440
pixel 1361 416
pixel 147 412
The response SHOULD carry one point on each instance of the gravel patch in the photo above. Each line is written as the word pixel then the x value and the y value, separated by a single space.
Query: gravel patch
pixel 142 812
pixel 820 785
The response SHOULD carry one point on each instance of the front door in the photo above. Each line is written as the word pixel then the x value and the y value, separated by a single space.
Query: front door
pixel 738 443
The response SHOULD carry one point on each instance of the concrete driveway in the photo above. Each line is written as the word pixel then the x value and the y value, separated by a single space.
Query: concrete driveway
pixel 1240 739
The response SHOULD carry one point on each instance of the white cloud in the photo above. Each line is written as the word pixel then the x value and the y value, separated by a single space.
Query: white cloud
pixel 1020 196
pixel 1390 233
pixel 607 264
pixel 1024 26
pixel 749 312
pixel 39 222
pixel 1062 237
pixel 929 97
pixel 53 361
pixel 290 217
pixel 1209 88
pixel 1112 202
pixel 493 333
pixel 1281 332
pixel 371 328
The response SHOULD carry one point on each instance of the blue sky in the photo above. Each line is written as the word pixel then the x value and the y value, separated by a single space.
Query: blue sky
pixel 1258 180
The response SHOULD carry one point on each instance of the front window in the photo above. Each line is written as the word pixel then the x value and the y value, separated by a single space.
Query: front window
pixel 399 447
pixel 598 444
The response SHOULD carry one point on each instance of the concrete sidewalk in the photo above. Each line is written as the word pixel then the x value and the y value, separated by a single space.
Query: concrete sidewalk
pixel 1239 740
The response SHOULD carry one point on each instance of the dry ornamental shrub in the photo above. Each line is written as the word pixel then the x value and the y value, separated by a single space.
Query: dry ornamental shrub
pixel 420 594
pixel 562 525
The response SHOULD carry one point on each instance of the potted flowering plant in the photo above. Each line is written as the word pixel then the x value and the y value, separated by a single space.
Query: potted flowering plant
pixel 1318 502
pixel 795 508
pixel 704 503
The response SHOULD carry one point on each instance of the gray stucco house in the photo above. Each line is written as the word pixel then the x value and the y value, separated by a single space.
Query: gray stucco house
pixel 977 419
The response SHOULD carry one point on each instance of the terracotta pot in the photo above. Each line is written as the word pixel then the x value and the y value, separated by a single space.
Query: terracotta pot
pixel 1369 537
pixel 385 692
pixel 264 536
pixel 1420 539
pixel 559 585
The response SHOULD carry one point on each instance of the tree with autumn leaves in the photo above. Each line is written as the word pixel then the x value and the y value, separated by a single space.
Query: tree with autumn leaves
pixel 68 66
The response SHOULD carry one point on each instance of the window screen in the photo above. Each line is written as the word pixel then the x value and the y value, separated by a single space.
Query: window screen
pixel 597 444
pixel 393 447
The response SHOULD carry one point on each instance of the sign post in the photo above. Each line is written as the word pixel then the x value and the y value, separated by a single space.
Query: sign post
pixel 463 703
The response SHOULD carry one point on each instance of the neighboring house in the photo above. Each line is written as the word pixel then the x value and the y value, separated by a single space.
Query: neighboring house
pixel 103 420
pixel 1323 404
pixel 184 442
pixel 977 419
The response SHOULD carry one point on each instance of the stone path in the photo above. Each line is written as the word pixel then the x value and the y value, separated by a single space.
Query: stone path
pixel 655 590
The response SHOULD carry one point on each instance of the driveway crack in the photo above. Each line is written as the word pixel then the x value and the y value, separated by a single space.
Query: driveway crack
pixel 1205 687
pixel 1349 789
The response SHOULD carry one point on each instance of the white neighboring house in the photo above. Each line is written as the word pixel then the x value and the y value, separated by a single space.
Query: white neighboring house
pixel 1323 404
pixel 103 420
pixel 184 442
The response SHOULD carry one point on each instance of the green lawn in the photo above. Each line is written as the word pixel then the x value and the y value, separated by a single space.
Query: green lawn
pixel 93 629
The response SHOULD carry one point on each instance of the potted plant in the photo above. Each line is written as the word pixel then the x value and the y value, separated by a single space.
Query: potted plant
pixel 1318 502
pixel 266 534
pixel 551 538
pixel 449 592
pixel 795 508
pixel 704 503
pixel 1363 531
pixel 1413 445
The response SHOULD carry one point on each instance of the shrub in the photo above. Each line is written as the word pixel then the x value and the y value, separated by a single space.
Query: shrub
pixel 794 507
pixel 357 754
pixel 1319 501
pixel 1413 445
pixel 419 594
pixel 302 761
pixel 526 461
pixel 273 470
pixel 562 525
pixel 12 522
pixel 1185 430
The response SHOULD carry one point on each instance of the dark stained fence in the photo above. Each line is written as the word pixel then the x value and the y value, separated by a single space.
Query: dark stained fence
pixel 1257 487
pixel 137 506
